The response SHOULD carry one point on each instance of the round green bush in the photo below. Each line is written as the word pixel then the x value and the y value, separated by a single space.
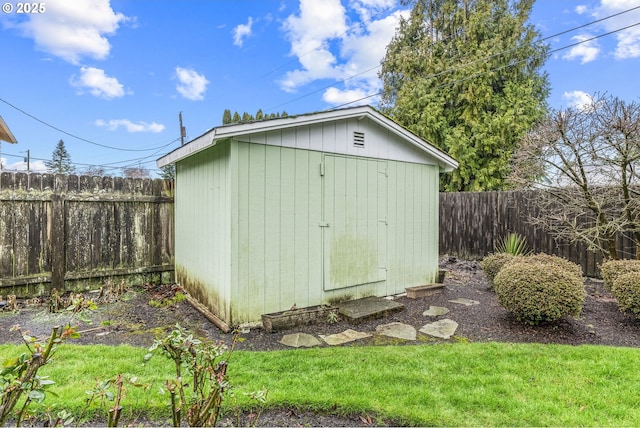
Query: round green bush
pixel 536 291
pixel 492 264
pixel 626 288
pixel 550 260
pixel 612 269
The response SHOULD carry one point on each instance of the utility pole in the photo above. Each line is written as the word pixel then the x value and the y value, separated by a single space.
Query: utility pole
pixel 183 131
pixel 28 161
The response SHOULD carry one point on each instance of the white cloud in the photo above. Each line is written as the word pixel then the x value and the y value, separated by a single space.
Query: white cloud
pixel 98 83
pixel 310 32
pixel 369 8
pixel 37 166
pixel 335 96
pixel 191 84
pixel 585 51
pixel 115 124
pixel 74 29
pixel 241 31
pixel 578 99
pixel 327 47
pixel 581 9
pixel 627 41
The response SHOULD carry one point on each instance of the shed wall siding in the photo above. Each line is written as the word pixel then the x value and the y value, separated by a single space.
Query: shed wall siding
pixel 337 137
pixel 277 243
pixel 275 224
pixel 203 227
pixel 413 225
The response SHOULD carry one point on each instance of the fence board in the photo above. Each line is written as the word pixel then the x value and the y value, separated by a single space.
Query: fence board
pixel 61 228
pixel 472 223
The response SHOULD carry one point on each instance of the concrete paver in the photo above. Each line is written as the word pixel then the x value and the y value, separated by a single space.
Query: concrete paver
pixel 360 310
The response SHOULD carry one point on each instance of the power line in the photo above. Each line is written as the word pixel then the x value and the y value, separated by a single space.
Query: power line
pixel 472 62
pixel 498 68
pixel 111 165
pixel 70 134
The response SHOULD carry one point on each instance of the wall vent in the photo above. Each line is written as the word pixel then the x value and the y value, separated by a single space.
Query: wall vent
pixel 358 139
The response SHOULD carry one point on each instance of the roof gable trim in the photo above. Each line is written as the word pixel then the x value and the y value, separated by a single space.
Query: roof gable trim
pixel 228 131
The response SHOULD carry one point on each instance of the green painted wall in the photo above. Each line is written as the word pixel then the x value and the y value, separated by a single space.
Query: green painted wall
pixel 275 239
pixel 203 227
pixel 260 228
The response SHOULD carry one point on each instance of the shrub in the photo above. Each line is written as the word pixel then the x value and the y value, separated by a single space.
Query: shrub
pixel 626 288
pixel 612 269
pixel 514 244
pixel 559 262
pixel 536 291
pixel 492 264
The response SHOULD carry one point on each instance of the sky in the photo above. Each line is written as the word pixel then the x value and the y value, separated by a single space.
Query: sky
pixel 111 77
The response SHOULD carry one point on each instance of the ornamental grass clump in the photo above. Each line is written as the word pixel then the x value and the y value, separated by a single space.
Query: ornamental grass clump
pixel 612 269
pixel 492 264
pixel 536 291
pixel 626 288
pixel 514 244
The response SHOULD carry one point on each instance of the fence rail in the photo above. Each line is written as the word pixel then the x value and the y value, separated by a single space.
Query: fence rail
pixel 471 223
pixel 70 232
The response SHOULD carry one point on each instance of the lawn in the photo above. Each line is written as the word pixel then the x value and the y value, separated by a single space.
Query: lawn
pixel 457 384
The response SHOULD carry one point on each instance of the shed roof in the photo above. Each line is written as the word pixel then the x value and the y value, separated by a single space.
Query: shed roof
pixel 5 133
pixel 210 137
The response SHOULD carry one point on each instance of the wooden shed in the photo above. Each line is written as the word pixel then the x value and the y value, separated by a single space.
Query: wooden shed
pixel 305 210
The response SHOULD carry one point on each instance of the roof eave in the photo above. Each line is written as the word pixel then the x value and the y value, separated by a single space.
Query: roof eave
pixel 5 133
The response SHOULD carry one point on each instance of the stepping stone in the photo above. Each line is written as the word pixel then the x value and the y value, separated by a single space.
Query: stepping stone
pixel 344 337
pixel 435 311
pixel 463 301
pixel 423 290
pixel 368 308
pixel 397 330
pixel 300 340
pixel 444 328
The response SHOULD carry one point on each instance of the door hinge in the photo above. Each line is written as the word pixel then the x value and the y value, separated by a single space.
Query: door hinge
pixel 321 169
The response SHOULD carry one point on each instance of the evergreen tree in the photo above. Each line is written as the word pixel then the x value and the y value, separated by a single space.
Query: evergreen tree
pixel 246 117
pixel 236 118
pixel 466 76
pixel 60 162
pixel 168 172
pixel 259 115
pixel 226 116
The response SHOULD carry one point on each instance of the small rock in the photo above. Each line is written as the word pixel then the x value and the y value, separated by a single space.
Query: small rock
pixel 435 311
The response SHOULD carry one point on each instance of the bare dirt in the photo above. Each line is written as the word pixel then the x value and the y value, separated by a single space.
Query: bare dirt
pixel 140 314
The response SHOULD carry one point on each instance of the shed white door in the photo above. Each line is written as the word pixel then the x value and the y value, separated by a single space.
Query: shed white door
pixel 354 205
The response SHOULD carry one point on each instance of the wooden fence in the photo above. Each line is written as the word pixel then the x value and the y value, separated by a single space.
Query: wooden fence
pixel 78 232
pixel 472 223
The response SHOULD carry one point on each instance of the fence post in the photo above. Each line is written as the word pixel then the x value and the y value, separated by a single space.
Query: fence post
pixel 57 247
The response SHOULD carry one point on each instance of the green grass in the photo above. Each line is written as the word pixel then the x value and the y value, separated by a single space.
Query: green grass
pixel 454 384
